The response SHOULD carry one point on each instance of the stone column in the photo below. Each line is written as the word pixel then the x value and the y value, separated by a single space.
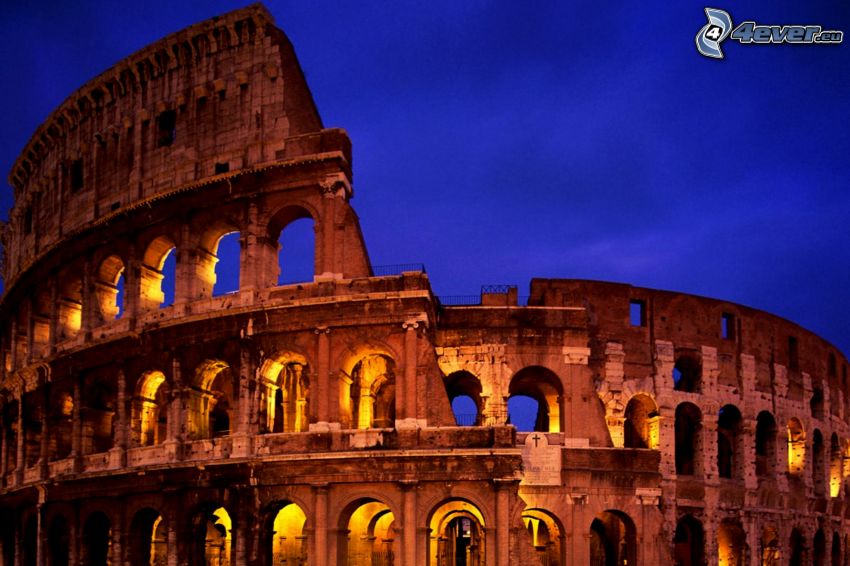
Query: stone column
pixel 242 438
pixel 406 389
pixel 184 276
pixel 117 455
pixel 89 299
pixel 746 467
pixel 43 437
pixel 20 457
pixel 4 447
pixel 132 285
pixel 320 548
pixel 30 330
pixel 409 522
pixel 39 529
pixel 323 394
pixel 77 427
pixel 708 434
pixel 176 430
pixel 326 254
pixel 13 344
pixel 503 521
pixel 171 535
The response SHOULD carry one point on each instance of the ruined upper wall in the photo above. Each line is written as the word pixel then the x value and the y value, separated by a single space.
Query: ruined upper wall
pixel 219 96
pixel 690 322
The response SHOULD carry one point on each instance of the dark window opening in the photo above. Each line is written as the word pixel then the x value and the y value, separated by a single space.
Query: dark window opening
pixel 727 326
pixel 833 365
pixel 28 220
pixel 637 313
pixel 687 373
pixel 76 175
pixel 166 124
pixel 115 206
pixel 222 168
pixel 793 354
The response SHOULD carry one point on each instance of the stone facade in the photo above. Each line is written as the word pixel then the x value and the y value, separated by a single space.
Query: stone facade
pixel 312 423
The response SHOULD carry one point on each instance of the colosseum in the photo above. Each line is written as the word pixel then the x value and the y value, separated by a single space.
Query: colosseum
pixel 148 419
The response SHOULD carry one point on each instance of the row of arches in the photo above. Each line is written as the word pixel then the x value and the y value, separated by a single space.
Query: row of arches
pixel 689 545
pixel 120 281
pixel 367 534
pixel 91 415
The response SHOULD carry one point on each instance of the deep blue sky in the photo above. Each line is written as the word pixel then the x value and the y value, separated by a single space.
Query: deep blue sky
pixel 498 141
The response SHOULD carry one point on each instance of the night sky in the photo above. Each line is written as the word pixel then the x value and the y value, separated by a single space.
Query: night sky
pixel 499 141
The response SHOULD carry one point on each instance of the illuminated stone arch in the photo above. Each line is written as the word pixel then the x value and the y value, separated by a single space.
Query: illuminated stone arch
pixel 70 307
pixel 732 547
pixel 147 538
pixel 796 446
pixel 41 312
pixel 212 536
pixel 367 389
pixel 547 536
pixel 207 258
pixel 366 532
pixel 60 421
pixel 107 277
pixel 544 386
pixel 211 402
pixel 150 409
pixel 151 295
pixel 285 393
pixel 285 534
pixel 613 539
pixel 835 466
pixel 457 534
pixel 641 428
pixel 463 384
pixel 771 546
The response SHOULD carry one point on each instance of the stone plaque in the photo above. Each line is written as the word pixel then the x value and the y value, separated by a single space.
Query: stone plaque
pixel 541 463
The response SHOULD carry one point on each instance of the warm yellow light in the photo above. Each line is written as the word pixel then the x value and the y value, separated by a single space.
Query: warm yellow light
pixel 288 543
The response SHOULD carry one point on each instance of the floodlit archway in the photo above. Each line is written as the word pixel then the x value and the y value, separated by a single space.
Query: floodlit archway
pixel 731 544
pixel 546 536
pixel 150 409
pixel 641 427
pixel 70 305
pixel 285 393
pixel 148 539
pixel 213 537
pixel 287 540
pixel 835 465
pixel 211 400
pixel 796 447
pixel 542 386
pixel 613 540
pixel 367 534
pixel 108 284
pixel 217 261
pixel 368 394
pixel 771 550
pixel 60 426
pixel 156 285
pixel 457 535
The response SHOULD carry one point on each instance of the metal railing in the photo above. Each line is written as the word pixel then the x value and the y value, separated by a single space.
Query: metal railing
pixel 396 269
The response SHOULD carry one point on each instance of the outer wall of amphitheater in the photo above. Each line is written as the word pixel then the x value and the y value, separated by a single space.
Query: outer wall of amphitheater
pixel 148 418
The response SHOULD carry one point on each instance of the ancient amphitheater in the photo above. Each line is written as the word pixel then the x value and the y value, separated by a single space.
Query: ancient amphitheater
pixel 312 423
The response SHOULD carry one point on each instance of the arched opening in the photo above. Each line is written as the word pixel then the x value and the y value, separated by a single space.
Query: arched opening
pixel 689 542
pixel 296 252
pixel 798 553
pixel 729 446
pixel 816 403
pixel 110 276
pixel 771 553
pixel 97 412
pixel 10 430
pixel 688 440
pixel 217 261
pixel 60 424
pixel 287 540
pixel 835 554
pixel 41 311
pixel 641 428
pixel 7 536
pixel 835 465
pixel 612 540
pixel 464 391
pixel 157 274
pixel 70 305
pixel 211 400
pixel 150 409
pixel 542 386
pixel 766 432
pixel 731 544
pixel 796 447
pixel 285 393
pixel 818 464
pixel 523 412
pixel 687 372
pixel 148 539
pixel 58 542
pixel 819 549
pixel 457 535
pixel 367 534
pixel 546 536
pixel 30 541
pixel 97 540
pixel 212 541
pixel 369 393
pixel 33 410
